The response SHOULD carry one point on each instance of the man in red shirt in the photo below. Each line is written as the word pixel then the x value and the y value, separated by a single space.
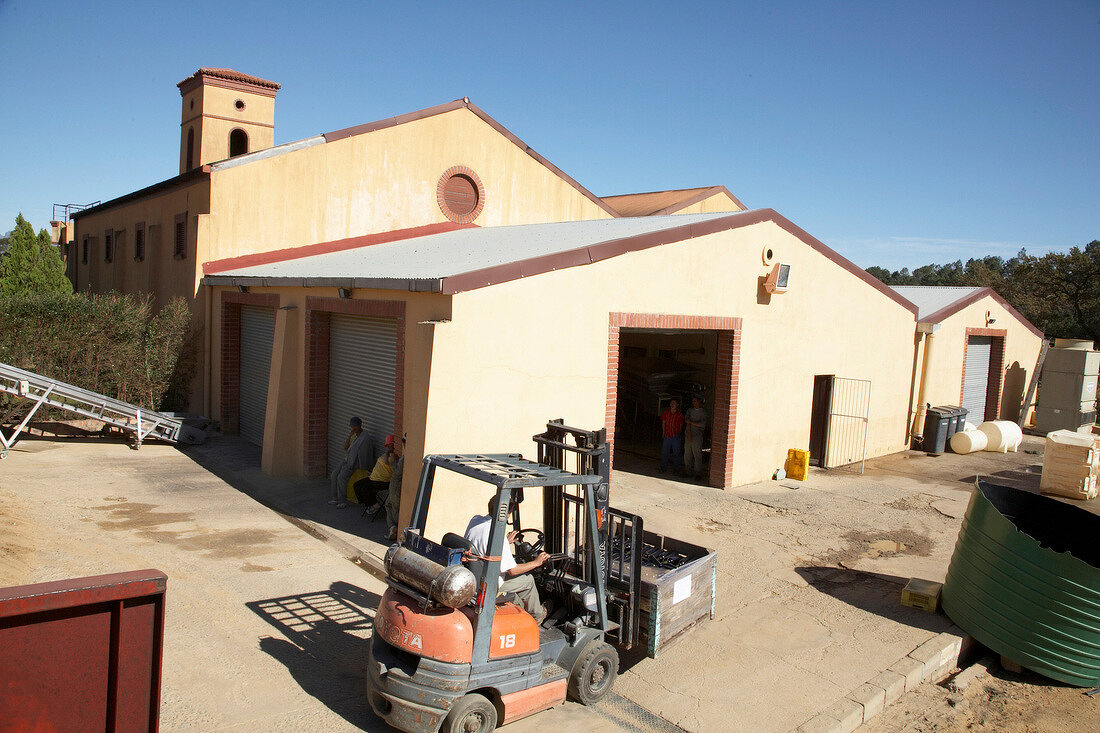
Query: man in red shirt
pixel 672 427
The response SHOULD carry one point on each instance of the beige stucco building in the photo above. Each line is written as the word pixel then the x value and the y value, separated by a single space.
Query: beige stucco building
pixel 438 277
pixel 973 350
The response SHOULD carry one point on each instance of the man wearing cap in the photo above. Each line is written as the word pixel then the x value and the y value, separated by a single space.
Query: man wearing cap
pixel 359 453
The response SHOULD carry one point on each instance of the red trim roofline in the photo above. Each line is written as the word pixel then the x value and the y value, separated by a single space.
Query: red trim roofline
pixel 296 253
pixel 459 104
pixel 604 250
pixel 946 312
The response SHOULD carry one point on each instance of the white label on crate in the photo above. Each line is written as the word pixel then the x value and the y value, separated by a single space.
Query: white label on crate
pixel 681 589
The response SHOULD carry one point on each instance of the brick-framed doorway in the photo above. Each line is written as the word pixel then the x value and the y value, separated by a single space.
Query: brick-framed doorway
pixel 230 392
pixel 727 369
pixel 996 370
pixel 317 323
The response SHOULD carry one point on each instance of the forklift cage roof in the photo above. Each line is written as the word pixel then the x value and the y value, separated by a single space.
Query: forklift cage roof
pixel 510 470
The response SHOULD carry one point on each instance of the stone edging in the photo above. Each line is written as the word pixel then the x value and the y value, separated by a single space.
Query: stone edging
pixel 932 661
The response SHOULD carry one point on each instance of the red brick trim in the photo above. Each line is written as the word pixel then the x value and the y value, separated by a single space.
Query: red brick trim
pixel 726 377
pixel 459 104
pixel 339 245
pixel 440 187
pixel 230 390
pixel 318 324
pixel 996 371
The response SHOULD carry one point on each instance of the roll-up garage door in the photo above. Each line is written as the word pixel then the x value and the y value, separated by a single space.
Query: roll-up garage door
pixel 362 370
pixel 257 337
pixel 976 377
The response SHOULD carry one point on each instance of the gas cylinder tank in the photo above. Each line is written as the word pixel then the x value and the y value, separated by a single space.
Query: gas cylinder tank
pixel 452 586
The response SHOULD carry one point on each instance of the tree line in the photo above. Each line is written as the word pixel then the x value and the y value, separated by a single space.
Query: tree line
pixel 111 343
pixel 1058 292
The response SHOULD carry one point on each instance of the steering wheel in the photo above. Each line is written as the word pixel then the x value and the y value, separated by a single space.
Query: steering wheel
pixel 529 550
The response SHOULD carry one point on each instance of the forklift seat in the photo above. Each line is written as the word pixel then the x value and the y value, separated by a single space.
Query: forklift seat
pixel 458 542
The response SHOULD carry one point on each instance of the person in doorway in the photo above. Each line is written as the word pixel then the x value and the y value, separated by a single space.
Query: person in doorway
pixel 372 490
pixel 393 494
pixel 513 578
pixel 672 430
pixel 696 418
pixel 358 453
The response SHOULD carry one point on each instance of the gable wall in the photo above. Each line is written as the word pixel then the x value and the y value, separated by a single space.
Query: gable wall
pixel 945 371
pixel 382 181
pixel 517 354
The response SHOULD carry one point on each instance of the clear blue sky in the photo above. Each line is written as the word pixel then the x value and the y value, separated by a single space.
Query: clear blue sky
pixel 899 133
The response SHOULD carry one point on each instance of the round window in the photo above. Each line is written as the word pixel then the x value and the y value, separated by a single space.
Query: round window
pixel 460 195
pixel 239 104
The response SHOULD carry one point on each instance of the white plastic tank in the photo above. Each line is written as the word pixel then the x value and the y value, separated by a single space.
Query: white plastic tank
pixel 969 441
pixel 1002 435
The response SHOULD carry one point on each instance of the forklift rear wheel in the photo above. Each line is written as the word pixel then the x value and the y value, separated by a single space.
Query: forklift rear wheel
pixel 594 673
pixel 471 713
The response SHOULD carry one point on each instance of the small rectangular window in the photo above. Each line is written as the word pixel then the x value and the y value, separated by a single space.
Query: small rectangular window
pixel 139 241
pixel 108 245
pixel 84 250
pixel 180 248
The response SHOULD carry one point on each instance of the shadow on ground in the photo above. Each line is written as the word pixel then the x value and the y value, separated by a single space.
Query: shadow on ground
pixel 876 593
pixel 327 636
pixel 237 462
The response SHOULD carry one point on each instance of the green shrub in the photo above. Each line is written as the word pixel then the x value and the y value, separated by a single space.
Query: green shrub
pixel 112 344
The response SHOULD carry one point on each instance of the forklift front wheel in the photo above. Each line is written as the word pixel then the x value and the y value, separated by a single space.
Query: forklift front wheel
pixel 471 713
pixel 594 673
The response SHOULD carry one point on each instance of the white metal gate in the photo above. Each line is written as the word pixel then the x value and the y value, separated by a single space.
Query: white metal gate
pixel 976 377
pixel 849 406
pixel 361 374
pixel 257 337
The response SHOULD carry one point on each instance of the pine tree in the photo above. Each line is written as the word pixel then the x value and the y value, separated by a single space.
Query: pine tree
pixel 31 264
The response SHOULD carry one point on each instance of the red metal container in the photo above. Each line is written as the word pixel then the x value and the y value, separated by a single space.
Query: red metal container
pixel 82 654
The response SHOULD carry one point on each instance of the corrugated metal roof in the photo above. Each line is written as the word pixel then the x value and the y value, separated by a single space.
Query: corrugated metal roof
pixel 930 298
pixel 421 263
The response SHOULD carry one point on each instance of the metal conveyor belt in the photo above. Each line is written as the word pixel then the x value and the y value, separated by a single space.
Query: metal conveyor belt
pixel 40 390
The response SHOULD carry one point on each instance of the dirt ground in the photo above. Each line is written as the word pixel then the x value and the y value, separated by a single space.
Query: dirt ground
pixel 996 701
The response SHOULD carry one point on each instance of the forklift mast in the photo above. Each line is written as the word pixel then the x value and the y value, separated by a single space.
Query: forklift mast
pixel 618 535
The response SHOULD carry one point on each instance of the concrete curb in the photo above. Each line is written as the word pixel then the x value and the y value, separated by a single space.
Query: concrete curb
pixel 932 661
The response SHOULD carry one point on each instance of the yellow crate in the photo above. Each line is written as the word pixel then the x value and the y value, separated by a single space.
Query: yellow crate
pixel 922 594
pixel 798 464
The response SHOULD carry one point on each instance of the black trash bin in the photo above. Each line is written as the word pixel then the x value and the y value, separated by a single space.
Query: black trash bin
pixel 937 422
pixel 957 417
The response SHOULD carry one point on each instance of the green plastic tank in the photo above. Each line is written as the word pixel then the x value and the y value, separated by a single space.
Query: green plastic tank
pixel 1024 580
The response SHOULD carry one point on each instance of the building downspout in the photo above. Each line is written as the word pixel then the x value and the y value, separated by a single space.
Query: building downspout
pixel 916 431
pixel 208 362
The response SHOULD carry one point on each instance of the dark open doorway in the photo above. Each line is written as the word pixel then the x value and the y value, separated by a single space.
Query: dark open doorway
pixel 819 418
pixel 655 367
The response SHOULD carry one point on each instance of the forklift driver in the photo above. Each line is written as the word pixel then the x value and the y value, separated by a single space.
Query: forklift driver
pixel 513 578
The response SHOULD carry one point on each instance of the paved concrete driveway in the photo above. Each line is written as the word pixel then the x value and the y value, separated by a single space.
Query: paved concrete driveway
pixel 267 621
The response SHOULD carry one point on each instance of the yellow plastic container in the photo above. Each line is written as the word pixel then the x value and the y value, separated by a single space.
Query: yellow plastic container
pixel 922 594
pixel 798 464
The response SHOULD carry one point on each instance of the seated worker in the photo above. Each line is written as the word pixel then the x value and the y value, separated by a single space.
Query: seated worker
pixel 379 479
pixel 513 578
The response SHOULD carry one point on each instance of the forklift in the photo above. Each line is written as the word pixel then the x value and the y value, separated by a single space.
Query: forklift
pixel 448 653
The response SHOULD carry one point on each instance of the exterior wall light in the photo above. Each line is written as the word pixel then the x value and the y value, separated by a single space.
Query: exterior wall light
pixel 344 292
pixel 778 279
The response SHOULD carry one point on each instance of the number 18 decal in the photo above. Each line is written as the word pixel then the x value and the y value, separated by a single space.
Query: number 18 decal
pixel 507 642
